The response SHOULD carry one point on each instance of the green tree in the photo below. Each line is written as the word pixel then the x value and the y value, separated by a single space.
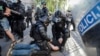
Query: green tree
pixel 51 4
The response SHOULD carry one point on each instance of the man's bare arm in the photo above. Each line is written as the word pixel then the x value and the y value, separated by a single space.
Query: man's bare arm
pixel 7 12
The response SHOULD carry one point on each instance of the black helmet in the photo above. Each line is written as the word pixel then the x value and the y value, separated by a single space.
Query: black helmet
pixel 38 10
pixel 43 3
pixel 18 1
pixel 58 13
pixel 44 19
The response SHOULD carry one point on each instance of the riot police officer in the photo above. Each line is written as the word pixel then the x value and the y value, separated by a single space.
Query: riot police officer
pixel 29 16
pixel 70 20
pixel 18 6
pixel 44 10
pixel 59 29
pixel 38 33
pixel 37 14
pixel 17 21
pixel 41 12
pixel 38 30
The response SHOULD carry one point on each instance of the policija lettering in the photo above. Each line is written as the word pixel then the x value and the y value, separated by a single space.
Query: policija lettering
pixel 89 20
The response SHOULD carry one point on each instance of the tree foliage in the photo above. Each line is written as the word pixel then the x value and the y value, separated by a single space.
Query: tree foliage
pixel 52 4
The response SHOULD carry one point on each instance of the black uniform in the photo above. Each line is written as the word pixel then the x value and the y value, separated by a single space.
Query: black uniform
pixel 37 14
pixel 58 29
pixel 17 19
pixel 38 30
pixel 70 20
pixel 29 16
pixel 38 33
pixel 44 12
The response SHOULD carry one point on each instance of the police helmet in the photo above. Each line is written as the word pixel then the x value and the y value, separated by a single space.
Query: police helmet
pixel 43 3
pixel 58 13
pixel 45 19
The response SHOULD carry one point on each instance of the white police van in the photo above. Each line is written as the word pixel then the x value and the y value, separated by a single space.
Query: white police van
pixel 87 17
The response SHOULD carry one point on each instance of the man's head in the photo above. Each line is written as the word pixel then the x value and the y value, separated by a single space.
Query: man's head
pixel 69 14
pixel 45 20
pixel 58 13
pixel 29 8
pixel 18 1
pixel 43 4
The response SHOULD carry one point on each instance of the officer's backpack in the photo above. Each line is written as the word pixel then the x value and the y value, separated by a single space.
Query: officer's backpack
pixel 43 45
pixel 34 32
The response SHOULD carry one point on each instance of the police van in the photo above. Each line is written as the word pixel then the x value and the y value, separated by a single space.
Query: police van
pixel 87 19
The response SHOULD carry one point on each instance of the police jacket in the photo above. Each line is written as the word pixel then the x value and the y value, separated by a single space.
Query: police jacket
pixel 59 27
pixel 38 32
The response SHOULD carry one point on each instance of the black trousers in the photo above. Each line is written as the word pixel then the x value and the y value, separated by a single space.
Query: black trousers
pixel 63 33
pixel 29 20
